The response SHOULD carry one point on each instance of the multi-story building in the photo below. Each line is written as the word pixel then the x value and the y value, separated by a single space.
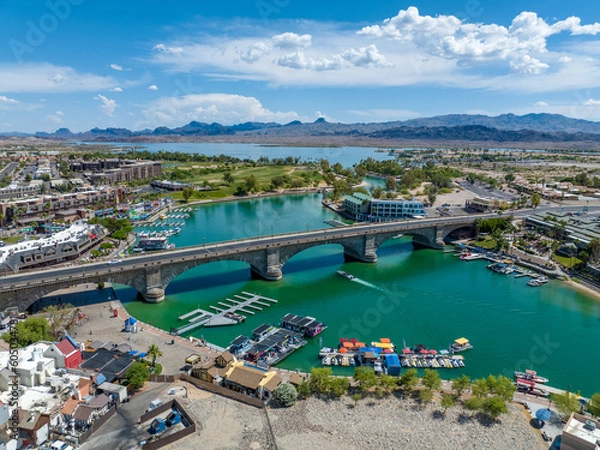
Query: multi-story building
pixel 118 171
pixel 362 207
pixel 63 246
pixel 70 206
pixel 15 191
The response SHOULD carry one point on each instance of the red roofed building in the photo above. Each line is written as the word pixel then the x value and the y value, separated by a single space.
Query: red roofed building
pixel 66 353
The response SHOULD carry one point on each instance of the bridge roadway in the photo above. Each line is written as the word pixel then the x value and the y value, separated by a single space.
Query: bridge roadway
pixel 265 254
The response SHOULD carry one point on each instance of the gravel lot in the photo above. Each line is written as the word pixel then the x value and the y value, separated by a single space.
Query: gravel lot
pixel 392 423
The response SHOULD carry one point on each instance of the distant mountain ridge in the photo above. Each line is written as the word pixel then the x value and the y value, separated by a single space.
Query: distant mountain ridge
pixel 452 127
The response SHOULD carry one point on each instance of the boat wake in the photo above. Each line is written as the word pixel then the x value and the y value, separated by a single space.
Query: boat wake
pixel 371 285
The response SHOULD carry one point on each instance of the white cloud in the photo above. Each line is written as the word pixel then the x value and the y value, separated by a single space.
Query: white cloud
pixel 116 89
pixel 521 44
pixel 292 41
pixel 364 57
pixel 7 101
pixel 255 52
pixel 48 78
pixel 223 108
pixel 541 104
pixel 592 102
pixel 116 67
pixel 168 50
pixel 59 113
pixel 153 87
pixel 108 105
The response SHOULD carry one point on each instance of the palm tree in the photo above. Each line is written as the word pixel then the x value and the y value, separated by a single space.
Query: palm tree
pixel 154 352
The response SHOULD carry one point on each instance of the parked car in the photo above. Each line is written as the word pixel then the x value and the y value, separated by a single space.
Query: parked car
pixel 114 261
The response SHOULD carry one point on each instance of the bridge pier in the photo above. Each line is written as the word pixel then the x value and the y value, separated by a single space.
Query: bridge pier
pixel 268 265
pixel 364 249
pixel 154 291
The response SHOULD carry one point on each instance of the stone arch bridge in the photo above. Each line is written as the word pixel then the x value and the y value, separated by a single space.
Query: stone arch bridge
pixel 151 273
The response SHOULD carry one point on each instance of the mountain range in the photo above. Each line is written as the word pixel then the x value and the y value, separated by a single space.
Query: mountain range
pixel 458 128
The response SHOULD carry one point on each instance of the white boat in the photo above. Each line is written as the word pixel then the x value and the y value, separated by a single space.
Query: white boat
pixel 346 274
pixel 530 375
pixel 534 283
pixel 542 280
pixel 471 256
pixel 461 344
pixel 327 351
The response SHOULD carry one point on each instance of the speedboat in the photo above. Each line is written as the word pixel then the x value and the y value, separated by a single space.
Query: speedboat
pixel 471 256
pixel 346 275
pixel 534 283
pixel 326 351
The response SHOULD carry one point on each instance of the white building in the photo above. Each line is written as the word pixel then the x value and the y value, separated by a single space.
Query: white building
pixel 33 367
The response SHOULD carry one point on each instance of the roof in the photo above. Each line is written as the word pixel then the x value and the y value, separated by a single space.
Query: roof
pixel 264 327
pixel 461 341
pixel 111 387
pixel 296 379
pixel 130 321
pixel 100 379
pixel 30 419
pixel 83 412
pixel 99 401
pixel 246 376
pixel 228 357
pixel 66 347
pixel 272 384
pixel 69 406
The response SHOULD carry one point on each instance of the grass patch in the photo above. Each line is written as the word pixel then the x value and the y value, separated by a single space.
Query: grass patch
pixel 12 239
pixel 566 261
pixel 488 243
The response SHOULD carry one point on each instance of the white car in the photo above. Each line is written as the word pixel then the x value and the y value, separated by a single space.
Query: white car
pixel 114 261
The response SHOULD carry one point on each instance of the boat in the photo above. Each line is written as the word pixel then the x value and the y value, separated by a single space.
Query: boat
pixel 346 275
pixel 325 351
pixel 530 375
pixel 461 344
pixel 471 256
pixel 534 283
pixel 542 279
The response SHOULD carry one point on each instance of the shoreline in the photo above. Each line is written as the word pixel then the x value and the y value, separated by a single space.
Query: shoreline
pixel 583 288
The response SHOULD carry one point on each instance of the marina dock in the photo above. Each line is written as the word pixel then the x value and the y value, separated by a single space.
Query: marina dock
pixel 229 312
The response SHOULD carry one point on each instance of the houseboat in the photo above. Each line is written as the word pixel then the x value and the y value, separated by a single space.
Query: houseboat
pixel 460 345
pixel 309 326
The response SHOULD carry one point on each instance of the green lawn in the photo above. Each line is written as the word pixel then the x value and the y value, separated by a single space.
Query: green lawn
pixel 488 243
pixel 566 261
pixel 12 239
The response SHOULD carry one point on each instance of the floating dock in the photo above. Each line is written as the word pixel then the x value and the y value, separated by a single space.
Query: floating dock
pixel 229 312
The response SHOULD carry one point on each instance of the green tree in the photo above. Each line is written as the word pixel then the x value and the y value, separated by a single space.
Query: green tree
pixel 137 375
pixel 461 384
pixel 187 193
pixel 409 380
pixel 60 318
pixel 504 388
pixel 425 396
pixel 338 386
pixel 447 402
pixel 494 406
pixel 509 177
pixel 566 403
pixel 388 383
pixel 285 395
pixel 473 404
pixel 320 380
pixel 158 369
pixel 377 192
pixel 228 178
pixel 120 235
pixel 535 200
pixel 366 377
pixel 480 388
pixel 431 379
pixel 390 184
pixel 154 353
pixel 303 389
pixel 30 331
pixel 594 404
pixel 356 397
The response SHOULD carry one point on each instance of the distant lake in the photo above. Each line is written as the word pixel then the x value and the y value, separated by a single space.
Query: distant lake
pixel 346 156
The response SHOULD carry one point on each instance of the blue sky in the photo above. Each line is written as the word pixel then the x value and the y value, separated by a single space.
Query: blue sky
pixel 86 63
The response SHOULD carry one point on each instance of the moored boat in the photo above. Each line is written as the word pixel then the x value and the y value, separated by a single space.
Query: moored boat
pixel 530 375
pixel 471 256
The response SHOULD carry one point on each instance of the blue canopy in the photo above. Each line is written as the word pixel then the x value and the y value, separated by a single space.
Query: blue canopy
pixel 141 355
pixel 543 414
pixel 100 379
pixel 130 321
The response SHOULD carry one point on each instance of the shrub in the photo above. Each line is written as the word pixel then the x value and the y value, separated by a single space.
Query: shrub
pixel 285 395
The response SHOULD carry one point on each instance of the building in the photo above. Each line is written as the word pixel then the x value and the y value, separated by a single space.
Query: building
pixel 581 433
pixel 117 170
pixel 45 207
pixel 33 368
pixel 251 381
pixel 116 391
pixel 15 191
pixel 365 208
pixel 66 353
pixel 485 204
pixel 63 246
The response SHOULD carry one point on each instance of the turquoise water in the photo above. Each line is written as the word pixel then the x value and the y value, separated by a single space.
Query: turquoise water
pixel 422 296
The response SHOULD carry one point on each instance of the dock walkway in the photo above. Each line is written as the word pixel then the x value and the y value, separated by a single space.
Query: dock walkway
pixel 246 303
